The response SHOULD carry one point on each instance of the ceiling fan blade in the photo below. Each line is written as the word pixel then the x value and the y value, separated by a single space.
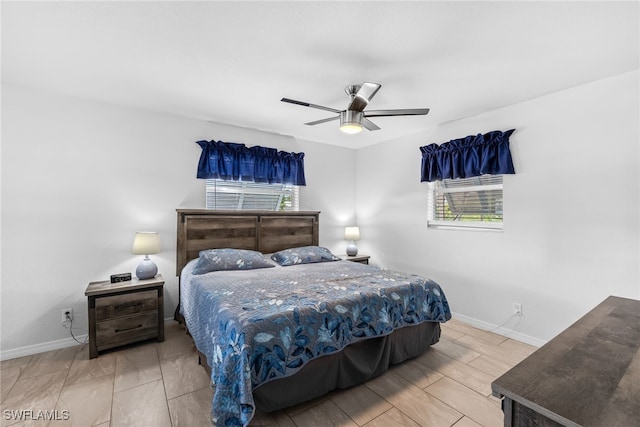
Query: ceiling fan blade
pixel 361 98
pixel 306 104
pixel 317 122
pixel 403 112
pixel 369 125
pixel 368 90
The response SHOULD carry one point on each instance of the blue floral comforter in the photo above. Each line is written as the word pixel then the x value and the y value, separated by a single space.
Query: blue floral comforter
pixel 258 325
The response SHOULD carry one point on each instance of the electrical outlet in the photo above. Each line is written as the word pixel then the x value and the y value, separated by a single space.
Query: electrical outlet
pixel 67 315
pixel 517 309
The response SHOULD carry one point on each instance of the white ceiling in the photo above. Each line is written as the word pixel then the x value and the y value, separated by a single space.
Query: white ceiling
pixel 231 62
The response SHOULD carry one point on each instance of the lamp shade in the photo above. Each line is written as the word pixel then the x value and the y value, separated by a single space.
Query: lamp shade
pixel 351 233
pixel 145 243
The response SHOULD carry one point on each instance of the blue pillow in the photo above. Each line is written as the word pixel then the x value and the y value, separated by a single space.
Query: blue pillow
pixel 230 259
pixel 303 255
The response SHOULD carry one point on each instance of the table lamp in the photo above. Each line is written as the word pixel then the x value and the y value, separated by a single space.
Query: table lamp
pixel 352 234
pixel 145 243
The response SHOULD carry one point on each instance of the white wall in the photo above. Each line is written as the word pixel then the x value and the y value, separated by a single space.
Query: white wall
pixel 79 178
pixel 571 226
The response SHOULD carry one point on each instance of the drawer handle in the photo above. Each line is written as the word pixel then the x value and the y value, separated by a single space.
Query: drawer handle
pixel 128 329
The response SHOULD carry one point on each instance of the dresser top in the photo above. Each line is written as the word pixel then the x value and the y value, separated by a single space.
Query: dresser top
pixel 106 287
pixel 589 375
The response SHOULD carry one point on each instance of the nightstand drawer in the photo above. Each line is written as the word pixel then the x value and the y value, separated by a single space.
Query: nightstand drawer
pixel 127 304
pixel 126 329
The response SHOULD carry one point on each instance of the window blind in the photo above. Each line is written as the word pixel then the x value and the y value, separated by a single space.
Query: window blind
pixel 239 195
pixel 475 202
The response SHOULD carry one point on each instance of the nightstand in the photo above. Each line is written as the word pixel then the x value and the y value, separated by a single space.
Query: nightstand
pixel 362 259
pixel 125 312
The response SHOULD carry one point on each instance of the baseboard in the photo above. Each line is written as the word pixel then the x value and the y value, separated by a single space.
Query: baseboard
pixel 40 348
pixel 500 330
pixel 30 350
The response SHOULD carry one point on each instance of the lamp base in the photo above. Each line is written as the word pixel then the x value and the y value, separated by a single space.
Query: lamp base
pixel 352 249
pixel 146 270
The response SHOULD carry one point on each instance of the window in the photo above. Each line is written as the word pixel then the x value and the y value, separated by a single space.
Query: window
pixel 237 195
pixel 466 203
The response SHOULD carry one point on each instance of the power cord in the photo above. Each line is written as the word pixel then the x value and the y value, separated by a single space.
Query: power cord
pixel 70 320
pixel 507 321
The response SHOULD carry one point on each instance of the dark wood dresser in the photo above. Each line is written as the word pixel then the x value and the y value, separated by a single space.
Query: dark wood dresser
pixel 125 312
pixel 589 375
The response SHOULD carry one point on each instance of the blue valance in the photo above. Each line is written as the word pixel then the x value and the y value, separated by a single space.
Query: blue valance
pixel 466 157
pixel 236 162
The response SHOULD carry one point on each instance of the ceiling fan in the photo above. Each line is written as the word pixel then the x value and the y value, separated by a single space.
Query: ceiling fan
pixel 354 118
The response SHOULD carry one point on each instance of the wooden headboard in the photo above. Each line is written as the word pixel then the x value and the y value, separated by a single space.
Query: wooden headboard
pixel 263 231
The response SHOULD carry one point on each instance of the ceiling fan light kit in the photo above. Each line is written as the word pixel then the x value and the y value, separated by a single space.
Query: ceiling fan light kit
pixel 351 121
pixel 354 118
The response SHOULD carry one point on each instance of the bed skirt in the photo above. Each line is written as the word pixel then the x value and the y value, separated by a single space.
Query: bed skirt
pixel 354 365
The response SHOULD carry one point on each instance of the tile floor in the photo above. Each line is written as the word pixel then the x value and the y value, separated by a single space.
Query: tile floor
pixel 161 384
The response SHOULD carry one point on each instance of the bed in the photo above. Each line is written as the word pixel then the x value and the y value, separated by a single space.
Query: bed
pixel 275 334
